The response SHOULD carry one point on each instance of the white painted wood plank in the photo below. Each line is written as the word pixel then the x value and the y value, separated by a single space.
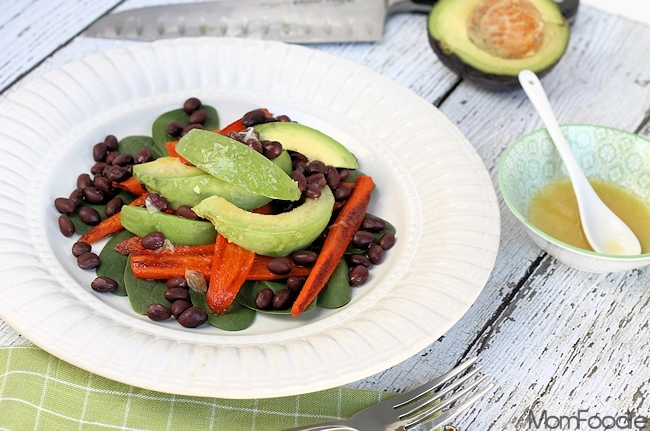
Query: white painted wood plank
pixel 31 30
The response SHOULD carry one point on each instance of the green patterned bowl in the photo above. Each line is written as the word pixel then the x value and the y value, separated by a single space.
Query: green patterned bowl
pixel 603 153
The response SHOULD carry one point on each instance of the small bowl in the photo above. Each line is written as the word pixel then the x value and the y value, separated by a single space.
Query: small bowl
pixel 603 153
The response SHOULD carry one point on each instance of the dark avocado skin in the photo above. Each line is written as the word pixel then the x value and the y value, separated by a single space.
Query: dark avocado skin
pixel 487 81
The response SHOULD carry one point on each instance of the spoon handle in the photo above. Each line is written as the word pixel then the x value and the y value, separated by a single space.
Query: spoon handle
pixel 533 88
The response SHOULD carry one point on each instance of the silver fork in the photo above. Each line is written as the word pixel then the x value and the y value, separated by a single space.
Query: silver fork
pixel 432 403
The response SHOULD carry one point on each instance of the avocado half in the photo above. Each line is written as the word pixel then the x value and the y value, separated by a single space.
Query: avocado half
pixel 489 42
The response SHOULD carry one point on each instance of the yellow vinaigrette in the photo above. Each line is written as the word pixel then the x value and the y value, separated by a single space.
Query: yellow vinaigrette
pixel 554 211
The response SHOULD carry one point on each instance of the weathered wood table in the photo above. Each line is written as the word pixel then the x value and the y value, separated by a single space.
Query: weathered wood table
pixel 553 339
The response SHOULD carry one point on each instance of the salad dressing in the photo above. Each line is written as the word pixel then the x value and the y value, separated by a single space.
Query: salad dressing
pixel 554 210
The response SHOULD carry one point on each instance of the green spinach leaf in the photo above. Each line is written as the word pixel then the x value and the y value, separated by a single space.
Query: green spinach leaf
pixel 336 292
pixel 134 144
pixel 143 293
pixel 159 127
pixel 113 263
pixel 236 318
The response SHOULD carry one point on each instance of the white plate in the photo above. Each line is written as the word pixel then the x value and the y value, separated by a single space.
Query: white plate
pixel 431 185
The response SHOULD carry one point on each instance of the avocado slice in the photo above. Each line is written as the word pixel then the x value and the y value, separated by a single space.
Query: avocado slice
pixel 180 231
pixel 181 184
pixel 269 235
pixel 311 143
pixel 489 42
pixel 236 163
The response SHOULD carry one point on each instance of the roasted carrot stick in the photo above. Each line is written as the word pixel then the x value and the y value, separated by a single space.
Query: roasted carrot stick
pixel 163 265
pixel 131 185
pixel 230 266
pixel 338 238
pixel 109 226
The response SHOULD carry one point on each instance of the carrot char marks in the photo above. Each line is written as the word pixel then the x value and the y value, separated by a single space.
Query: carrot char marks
pixel 338 238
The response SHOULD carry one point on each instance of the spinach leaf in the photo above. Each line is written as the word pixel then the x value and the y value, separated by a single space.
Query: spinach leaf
pixel 336 292
pixel 142 293
pixel 250 289
pixel 236 318
pixel 159 127
pixel 134 144
pixel 113 263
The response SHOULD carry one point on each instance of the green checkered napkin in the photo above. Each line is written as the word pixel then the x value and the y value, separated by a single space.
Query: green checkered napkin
pixel 41 392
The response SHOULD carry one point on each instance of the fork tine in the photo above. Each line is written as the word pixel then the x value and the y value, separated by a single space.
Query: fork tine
pixel 432 397
pixel 421 391
pixel 450 414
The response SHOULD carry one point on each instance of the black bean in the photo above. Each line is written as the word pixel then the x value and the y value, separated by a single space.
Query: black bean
pixel 375 253
pixel 177 281
pixel 300 166
pixel 318 179
pixel 256 145
pixel 272 149
pixel 358 275
pixel 84 181
pixel 258 116
pixel 65 225
pixel 312 191
pixel 175 128
pixel 104 284
pixel 264 298
pixel 116 173
pixel 98 168
pixel 111 156
pixel 186 212
pixel 179 306
pixel 111 142
pixel 281 299
pixel 332 176
pixel 294 283
pixel 359 259
pixel 99 152
pixel 104 185
pixel 283 118
pixel 77 196
pixel 299 178
pixel 279 265
pixel 158 312
pixel 387 240
pixel 189 127
pixel 89 216
pixel 373 224
pixel 65 205
pixel 153 241
pixel 144 156
pixel 80 247
pixel 316 167
pixel 344 173
pixel 342 192
pixel 114 206
pixel 88 260
pixel 304 257
pixel 363 239
pixel 192 317
pixel 123 159
pixel 191 105
pixel 93 195
pixel 176 293
pixel 200 116
pixel 158 201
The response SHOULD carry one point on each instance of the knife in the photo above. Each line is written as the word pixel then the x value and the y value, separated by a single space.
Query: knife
pixel 296 21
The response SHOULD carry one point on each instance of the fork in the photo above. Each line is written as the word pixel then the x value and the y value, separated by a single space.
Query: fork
pixel 417 406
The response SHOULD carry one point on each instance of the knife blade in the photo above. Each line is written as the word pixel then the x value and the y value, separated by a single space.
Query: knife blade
pixel 295 21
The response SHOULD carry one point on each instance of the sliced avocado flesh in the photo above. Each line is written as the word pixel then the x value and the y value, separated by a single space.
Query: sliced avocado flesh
pixel 453 25
pixel 181 184
pixel 180 231
pixel 309 142
pixel 238 164
pixel 269 235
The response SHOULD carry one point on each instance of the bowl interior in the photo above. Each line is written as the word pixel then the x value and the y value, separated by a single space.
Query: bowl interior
pixel 603 153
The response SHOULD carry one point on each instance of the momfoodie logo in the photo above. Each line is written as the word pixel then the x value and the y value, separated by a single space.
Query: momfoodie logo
pixel 583 420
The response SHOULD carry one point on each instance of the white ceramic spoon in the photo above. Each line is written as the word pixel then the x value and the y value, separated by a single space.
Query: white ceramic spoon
pixel 605 232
